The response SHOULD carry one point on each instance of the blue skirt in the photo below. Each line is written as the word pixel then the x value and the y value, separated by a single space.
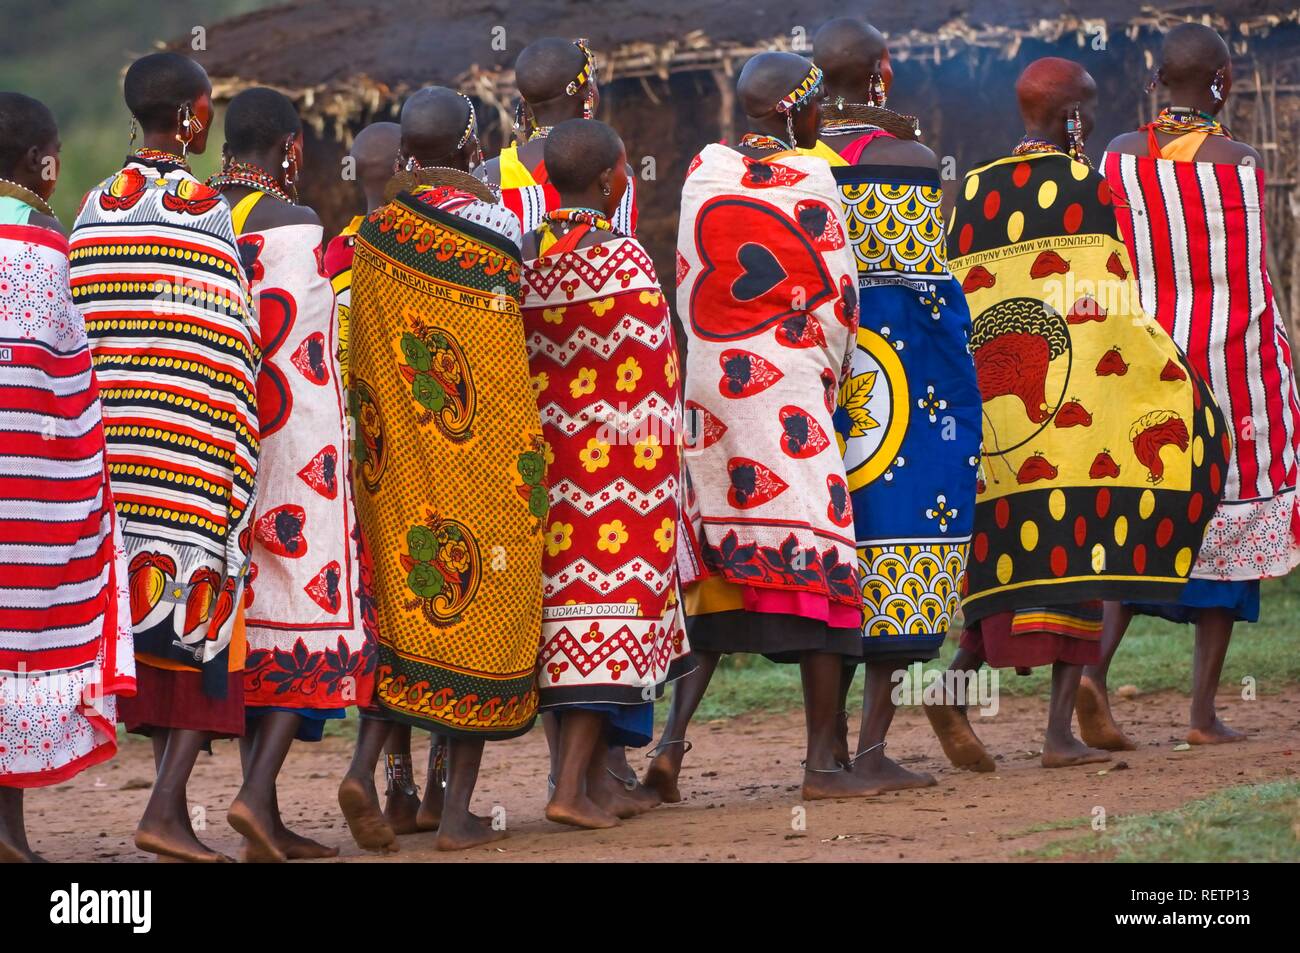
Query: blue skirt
pixel 310 728
pixel 1241 597
pixel 630 726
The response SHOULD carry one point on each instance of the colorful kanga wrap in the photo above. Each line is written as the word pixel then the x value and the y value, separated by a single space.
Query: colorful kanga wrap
pixel 606 375
pixel 156 272
pixel 1196 238
pixel 528 193
pixel 450 468
pixel 65 616
pixel 307 647
pixel 1103 450
pixel 908 418
pixel 767 288
pixel 338 266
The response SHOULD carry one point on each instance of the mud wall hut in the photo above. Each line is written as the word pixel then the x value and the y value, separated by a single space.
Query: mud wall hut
pixel 667 71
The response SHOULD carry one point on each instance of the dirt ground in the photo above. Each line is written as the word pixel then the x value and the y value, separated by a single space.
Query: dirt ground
pixel 741 794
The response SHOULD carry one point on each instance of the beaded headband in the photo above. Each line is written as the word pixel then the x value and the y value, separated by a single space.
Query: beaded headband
pixel 471 126
pixel 588 68
pixel 804 91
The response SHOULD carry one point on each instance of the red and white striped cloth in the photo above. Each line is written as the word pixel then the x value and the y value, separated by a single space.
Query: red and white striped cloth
pixel 65 616
pixel 1196 240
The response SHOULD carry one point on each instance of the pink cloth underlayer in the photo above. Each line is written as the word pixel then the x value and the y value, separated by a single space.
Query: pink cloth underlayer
pixel 852 153
pixel 806 604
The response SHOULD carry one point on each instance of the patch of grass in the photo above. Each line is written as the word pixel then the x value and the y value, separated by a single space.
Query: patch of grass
pixel 1258 823
pixel 1064 824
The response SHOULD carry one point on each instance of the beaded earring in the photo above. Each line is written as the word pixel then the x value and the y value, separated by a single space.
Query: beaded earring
pixel 290 166
pixel 1216 85
pixel 876 95
pixel 1074 134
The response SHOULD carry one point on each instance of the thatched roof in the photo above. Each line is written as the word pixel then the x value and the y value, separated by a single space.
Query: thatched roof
pixel 339 58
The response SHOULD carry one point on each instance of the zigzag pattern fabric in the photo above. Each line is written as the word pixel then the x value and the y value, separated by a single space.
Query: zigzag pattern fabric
pixel 606 373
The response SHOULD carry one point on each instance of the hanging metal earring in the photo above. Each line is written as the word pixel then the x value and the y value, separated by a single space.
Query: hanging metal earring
pixel 183 135
pixel 188 126
pixel 517 126
pixel 789 128
pixel 133 132
pixel 1153 82
pixel 1216 86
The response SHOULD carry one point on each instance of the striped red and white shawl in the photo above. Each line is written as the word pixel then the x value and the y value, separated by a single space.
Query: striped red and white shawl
pixel 1196 240
pixel 65 621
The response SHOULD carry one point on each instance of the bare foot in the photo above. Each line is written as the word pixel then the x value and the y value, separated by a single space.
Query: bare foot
pixel 298 847
pixel 1216 734
pixel 958 739
pixel 1071 753
pixel 15 854
pixel 429 815
pixel 661 776
pixel 360 804
pixel 821 785
pixel 842 754
pixel 466 832
pixel 401 810
pixel 889 775
pixel 178 843
pixel 580 811
pixel 612 796
pixel 1096 723
pixel 259 840
pixel 647 797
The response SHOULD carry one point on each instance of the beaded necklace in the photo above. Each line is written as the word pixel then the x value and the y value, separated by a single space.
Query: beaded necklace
pixel 754 140
pixel 250 177
pixel 440 176
pixel 1180 120
pixel 844 127
pixel 23 194
pixel 161 157
pixel 581 216
pixel 841 117
pixel 1032 145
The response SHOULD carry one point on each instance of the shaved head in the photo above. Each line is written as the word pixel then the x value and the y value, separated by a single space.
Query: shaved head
pixel 546 67
pixel 433 122
pixel 1048 88
pixel 578 151
pixel 157 85
pixel 849 51
pixel 767 79
pixel 1191 55
pixel 375 151
pixel 26 124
